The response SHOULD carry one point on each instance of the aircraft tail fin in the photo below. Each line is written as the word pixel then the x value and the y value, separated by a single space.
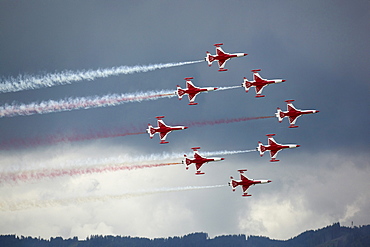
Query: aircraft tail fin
pixel 233 183
pixel 246 84
pixel 186 161
pixel 261 148
pixel 180 92
pixel 209 58
pixel 150 130
pixel 280 114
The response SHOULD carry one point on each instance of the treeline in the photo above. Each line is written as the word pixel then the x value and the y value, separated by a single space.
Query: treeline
pixel 330 236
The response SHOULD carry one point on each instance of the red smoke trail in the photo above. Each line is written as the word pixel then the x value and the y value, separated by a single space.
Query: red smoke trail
pixel 64 138
pixel 53 173
pixel 108 133
pixel 222 121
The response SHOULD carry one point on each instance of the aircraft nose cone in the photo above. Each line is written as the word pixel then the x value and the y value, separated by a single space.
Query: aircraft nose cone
pixel 222 158
pixel 283 80
pixel 269 181
pixel 185 128
pixel 215 88
pixel 317 111
pixel 245 54
pixel 298 146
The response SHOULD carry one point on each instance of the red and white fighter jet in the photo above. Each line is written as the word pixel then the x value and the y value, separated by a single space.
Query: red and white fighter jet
pixel 221 57
pixel 162 129
pixel 273 147
pixel 198 160
pixel 245 182
pixel 192 90
pixel 292 113
pixel 259 83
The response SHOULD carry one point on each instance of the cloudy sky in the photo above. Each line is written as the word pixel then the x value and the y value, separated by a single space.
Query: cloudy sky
pixel 320 47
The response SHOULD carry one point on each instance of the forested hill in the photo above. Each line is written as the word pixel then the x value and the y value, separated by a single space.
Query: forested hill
pixel 333 236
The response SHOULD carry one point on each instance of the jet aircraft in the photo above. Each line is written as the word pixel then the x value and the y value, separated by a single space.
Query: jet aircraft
pixel 259 83
pixel 198 160
pixel 221 57
pixel 245 182
pixel 273 147
pixel 292 113
pixel 192 91
pixel 162 129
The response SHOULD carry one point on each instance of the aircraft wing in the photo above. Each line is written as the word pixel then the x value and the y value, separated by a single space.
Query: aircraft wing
pixel 292 120
pixel 197 156
pixel 273 153
pixel 257 77
pixel 290 107
pixel 219 51
pixel 192 97
pixel 161 123
pixel 163 135
pixel 243 178
pixel 198 166
pixel 221 63
pixel 259 89
pixel 190 85
pixel 245 188
pixel 271 141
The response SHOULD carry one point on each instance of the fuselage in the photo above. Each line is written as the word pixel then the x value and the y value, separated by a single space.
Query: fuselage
pixel 277 147
pixel 295 113
pixel 166 129
pixel 248 182
pixel 203 160
pixel 225 56
pixel 199 90
pixel 261 83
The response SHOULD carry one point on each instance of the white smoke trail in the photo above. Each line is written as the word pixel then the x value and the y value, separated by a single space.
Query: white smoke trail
pixel 226 88
pixel 227 152
pixel 27 82
pixel 27 204
pixel 36 172
pixel 107 163
pixel 69 104
pixel 138 160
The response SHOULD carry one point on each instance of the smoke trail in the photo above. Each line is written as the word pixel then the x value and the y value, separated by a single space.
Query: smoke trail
pixel 27 82
pixel 170 156
pixel 226 88
pixel 72 171
pixel 110 164
pixel 70 104
pixel 98 134
pixel 227 152
pixel 64 138
pixel 223 121
pixel 26 204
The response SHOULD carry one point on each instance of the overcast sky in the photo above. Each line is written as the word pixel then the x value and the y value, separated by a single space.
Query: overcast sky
pixel 321 49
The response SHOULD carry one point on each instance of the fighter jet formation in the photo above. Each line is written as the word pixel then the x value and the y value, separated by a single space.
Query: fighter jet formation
pixel 191 91
pixel 259 84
